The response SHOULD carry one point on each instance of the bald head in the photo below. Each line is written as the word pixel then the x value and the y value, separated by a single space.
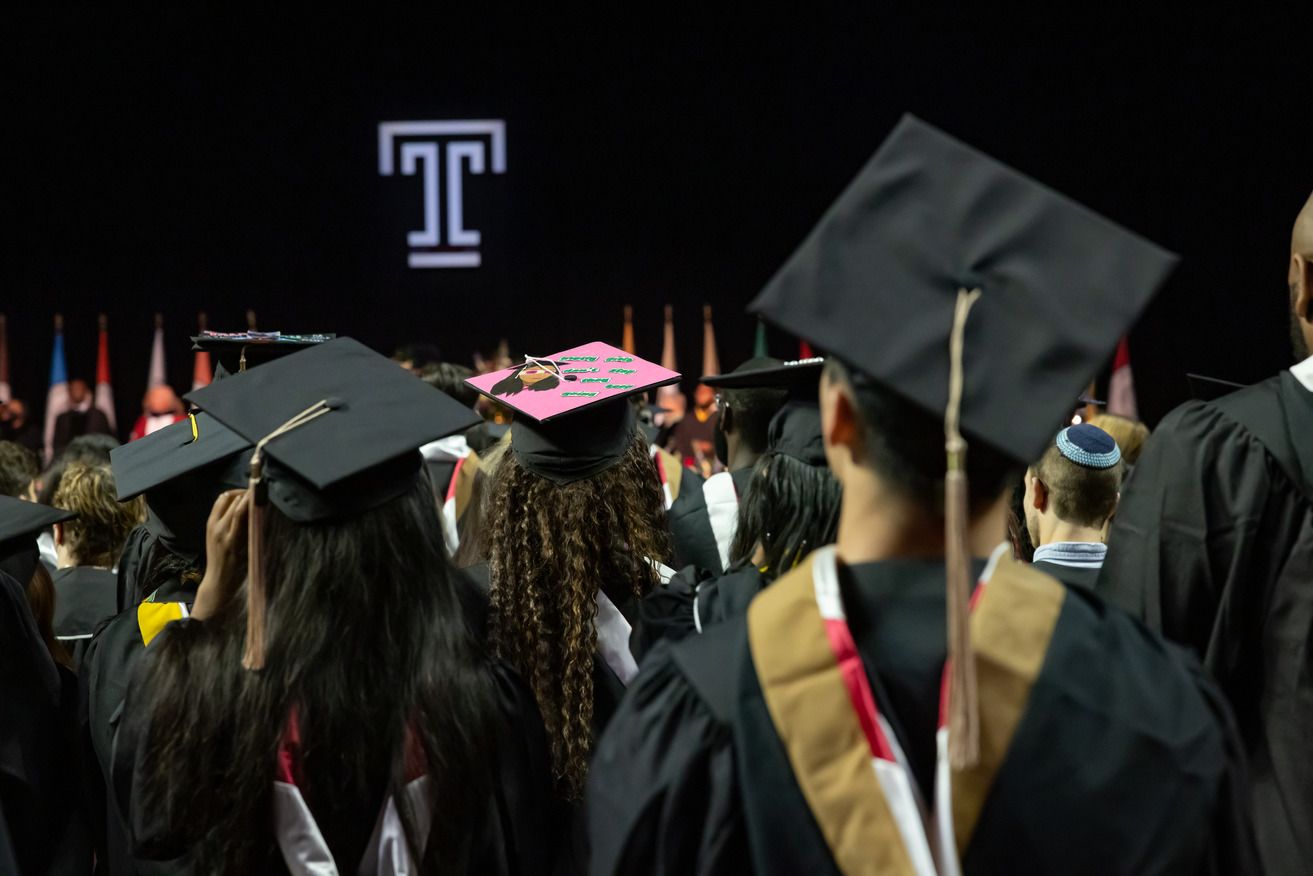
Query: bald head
pixel 1301 241
pixel 1300 277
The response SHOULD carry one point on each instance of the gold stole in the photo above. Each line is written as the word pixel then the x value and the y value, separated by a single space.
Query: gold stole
pixel 673 467
pixel 809 706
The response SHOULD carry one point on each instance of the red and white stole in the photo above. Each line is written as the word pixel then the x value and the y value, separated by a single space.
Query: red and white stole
pixel 306 853
pixel 824 711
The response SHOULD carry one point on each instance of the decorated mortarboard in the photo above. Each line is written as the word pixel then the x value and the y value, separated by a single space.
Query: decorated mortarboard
pixel 976 293
pixel 1089 446
pixel 20 523
pixel 336 429
pixel 572 415
pixel 181 469
pixel 235 352
pixel 795 431
pixel 1208 389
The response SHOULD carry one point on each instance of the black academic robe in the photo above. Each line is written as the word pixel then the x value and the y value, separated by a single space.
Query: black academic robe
pixel 1120 762
pixel 85 597
pixel 520 835
pixel 104 679
pixel 1213 546
pixel 694 540
pixel 74 424
pixel 690 602
pixel 40 798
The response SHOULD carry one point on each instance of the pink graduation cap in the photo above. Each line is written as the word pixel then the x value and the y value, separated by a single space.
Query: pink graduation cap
pixel 544 388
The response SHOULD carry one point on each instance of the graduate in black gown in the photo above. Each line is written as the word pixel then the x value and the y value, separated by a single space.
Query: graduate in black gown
pixel 575 534
pixel 180 469
pixel 41 803
pixel 831 730
pixel 703 516
pixel 792 509
pixel 1213 546
pixel 329 704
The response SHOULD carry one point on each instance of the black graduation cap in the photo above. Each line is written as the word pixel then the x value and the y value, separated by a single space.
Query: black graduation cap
pixel 573 415
pixel 235 352
pixel 1208 389
pixel 20 523
pixel 181 469
pixel 976 293
pixel 337 430
pixel 795 431
pixel 876 283
pixel 336 425
pixel 800 378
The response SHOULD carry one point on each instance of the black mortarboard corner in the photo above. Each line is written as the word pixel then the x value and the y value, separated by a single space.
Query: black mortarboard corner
pixel 336 430
pixel 181 469
pixel 235 352
pixel 799 378
pixel 20 523
pixel 1208 389
pixel 930 231
pixel 583 421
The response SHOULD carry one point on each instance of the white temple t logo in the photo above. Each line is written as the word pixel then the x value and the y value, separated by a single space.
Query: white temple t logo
pixel 440 153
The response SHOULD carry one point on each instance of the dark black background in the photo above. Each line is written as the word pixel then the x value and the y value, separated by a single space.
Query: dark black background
pixel 178 163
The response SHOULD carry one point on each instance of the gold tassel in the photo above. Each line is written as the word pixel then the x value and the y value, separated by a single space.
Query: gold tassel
pixel 963 713
pixel 256 598
pixel 256 607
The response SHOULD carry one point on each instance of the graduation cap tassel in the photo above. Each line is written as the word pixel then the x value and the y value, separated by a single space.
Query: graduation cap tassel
pixel 257 498
pixel 253 655
pixel 963 717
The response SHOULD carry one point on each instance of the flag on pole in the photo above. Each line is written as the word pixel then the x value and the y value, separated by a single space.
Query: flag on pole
pixel 4 361
pixel 710 358
pixel 104 391
pixel 627 341
pixel 1121 385
pixel 805 350
pixel 759 345
pixel 202 372
pixel 157 373
pixel 57 397
pixel 669 397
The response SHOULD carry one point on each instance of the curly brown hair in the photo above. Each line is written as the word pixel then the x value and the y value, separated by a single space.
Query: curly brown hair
pixel 550 547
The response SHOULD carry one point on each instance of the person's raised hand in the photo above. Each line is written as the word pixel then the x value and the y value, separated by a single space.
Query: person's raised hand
pixel 225 554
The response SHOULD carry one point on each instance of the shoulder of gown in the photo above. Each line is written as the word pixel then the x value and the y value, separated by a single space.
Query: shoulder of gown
pixel 661 794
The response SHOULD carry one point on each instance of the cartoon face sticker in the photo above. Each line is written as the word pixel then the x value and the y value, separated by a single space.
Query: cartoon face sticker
pixel 534 374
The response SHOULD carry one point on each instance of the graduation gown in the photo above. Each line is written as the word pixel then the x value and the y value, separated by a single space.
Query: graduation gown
pixel 519 835
pixel 1072 576
pixel 85 597
pixel 40 799
pixel 1213 546
pixel 105 677
pixel 1114 758
pixel 690 602
pixel 704 516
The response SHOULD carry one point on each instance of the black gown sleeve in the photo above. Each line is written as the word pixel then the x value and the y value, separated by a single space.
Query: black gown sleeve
pixel 666 614
pixel 1190 536
pixel 661 792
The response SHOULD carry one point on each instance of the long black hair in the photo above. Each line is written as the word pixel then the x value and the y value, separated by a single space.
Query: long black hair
pixel 369 633
pixel 790 509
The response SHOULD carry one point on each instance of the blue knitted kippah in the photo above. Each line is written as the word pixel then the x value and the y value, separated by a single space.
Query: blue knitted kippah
pixel 1089 446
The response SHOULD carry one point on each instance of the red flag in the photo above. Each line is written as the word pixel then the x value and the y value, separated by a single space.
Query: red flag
pixel 104 389
pixel 804 350
pixel 1121 386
